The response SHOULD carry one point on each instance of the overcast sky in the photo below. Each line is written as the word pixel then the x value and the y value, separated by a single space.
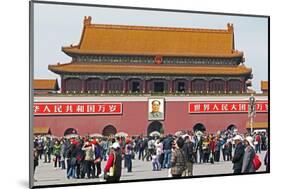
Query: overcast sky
pixel 61 25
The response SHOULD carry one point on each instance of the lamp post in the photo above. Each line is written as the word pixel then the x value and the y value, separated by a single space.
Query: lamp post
pixel 252 110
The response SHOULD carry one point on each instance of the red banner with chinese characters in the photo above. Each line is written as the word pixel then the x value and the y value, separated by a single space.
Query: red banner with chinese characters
pixel 225 107
pixel 76 108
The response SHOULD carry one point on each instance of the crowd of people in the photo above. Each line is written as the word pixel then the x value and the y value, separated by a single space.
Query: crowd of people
pixel 81 157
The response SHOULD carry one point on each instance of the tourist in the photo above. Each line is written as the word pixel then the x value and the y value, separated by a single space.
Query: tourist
pixel 40 147
pixel 35 158
pixel 199 149
pixel 206 149
pixel 258 143
pixel 88 158
pixel 150 148
pixel 212 145
pixel 128 155
pixel 80 173
pixel 72 162
pixel 159 153
pixel 249 154
pixel 113 168
pixel 217 149
pixel 96 158
pixel 155 162
pixel 62 154
pixel 263 141
pixel 238 155
pixel 167 147
pixel 178 159
pixel 227 150
pixel 47 150
pixel 104 148
pixel 189 151
pixel 56 153
pixel 141 148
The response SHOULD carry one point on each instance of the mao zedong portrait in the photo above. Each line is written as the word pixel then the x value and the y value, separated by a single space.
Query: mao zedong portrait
pixel 156 113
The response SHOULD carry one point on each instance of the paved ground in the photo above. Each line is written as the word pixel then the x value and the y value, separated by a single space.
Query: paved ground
pixel 47 175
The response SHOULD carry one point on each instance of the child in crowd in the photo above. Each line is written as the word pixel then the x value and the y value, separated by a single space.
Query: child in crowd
pixel 155 162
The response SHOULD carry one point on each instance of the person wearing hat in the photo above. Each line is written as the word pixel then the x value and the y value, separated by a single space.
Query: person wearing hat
pixel 249 154
pixel 87 147
pixel 128 155
pixel 178 159
pixel 237 159
pixel 113 168
pixel 97 157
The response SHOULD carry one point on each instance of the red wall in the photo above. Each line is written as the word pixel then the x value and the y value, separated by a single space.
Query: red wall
pixel 134 120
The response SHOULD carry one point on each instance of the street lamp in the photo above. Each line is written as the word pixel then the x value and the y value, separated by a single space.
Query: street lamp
pixel 252 110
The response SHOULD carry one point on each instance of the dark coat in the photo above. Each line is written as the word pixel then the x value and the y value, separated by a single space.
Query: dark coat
pixel 118 164
pixel 178 162
pixel 118 167
pixel 188 148
pixel 238 157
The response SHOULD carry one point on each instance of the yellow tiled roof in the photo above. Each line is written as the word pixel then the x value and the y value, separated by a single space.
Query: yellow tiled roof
pixel 258 125
pixel 264 85
pixel 164 41
pixel 45 84
pixel 41 130
pixel 150 69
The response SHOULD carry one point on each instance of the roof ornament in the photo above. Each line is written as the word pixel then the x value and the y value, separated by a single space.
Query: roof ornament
pixel 229 27
pixel 87 20
pixel 158 59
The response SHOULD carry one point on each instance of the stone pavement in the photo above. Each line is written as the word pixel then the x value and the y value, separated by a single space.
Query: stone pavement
pixel 45 173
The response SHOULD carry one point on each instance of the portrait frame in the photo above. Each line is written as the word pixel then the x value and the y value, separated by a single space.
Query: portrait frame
pixel 156 116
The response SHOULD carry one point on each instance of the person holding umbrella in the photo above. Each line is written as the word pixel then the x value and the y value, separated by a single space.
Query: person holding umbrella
pixel 113 168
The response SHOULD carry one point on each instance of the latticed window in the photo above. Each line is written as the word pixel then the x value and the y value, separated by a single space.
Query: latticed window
pixel 94 85
pixel 199 85
pixel 73 84
pixel 216 85
pixel 234 85
pixel 115 85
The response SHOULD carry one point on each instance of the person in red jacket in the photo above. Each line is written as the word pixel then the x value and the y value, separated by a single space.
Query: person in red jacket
pixel 113 168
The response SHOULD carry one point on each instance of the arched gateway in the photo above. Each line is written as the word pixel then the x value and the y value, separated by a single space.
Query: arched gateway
pixel 155 126
pixel 70 131
pixel 199 127
pixel 231 127
pixel 109 130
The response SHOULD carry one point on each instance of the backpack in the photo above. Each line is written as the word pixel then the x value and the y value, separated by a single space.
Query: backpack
pixel 256 162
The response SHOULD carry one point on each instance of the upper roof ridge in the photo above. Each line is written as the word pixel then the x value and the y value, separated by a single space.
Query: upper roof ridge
pixel 88 19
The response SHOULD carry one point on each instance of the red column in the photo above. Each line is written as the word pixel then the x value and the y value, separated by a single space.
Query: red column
pixel 83 85
pixel 144 86
pixel 62 85
pixel 225 86
pixel 104 82
pixel 170 88
pixel 124 86
pixel 207 86
pixel 242 85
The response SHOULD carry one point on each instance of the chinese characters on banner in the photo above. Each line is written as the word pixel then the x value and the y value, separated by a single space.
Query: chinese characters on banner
pixel 76 108
pixel 225 107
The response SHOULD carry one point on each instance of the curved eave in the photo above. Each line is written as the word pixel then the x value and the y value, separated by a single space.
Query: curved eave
pixel 76 51
pixel 147 69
